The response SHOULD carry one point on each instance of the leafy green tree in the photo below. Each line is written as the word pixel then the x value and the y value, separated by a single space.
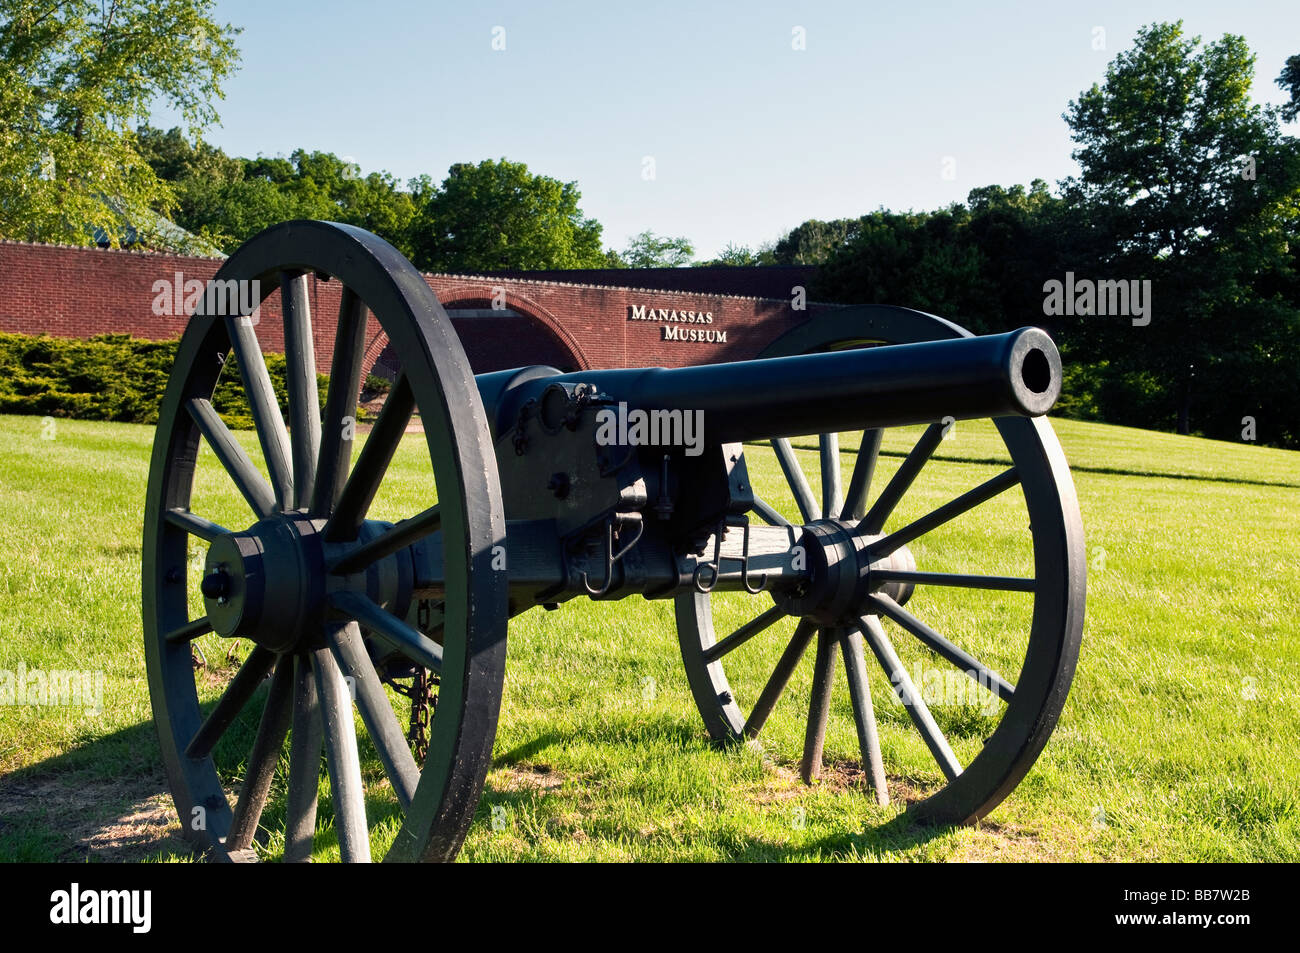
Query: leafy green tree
pixel 916 260
pixel 1191 185
pixel 497 215
pixel 175 158
pixel 741 256
pixel 813 242
pixel 229 200
pixel 1289 81
pixel 1022 236
pixel 74 78
pixel 648 250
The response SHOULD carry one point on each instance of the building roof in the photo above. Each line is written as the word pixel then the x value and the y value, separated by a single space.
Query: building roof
pixel 764 281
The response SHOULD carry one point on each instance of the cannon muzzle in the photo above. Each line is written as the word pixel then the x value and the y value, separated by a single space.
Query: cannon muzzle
pixel 995 375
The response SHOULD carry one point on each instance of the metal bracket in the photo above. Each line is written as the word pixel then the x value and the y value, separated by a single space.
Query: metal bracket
pixel 610 556
pixel 715 564
pixel 521 435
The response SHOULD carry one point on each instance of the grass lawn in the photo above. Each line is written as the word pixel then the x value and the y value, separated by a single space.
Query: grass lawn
pixel 1178 743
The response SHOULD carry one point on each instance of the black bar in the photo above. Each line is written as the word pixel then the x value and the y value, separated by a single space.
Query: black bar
pixel 996 375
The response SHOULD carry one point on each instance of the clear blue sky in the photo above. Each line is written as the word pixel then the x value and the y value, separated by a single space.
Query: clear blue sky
pixel 749 136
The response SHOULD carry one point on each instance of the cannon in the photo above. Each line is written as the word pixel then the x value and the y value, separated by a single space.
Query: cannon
pixel 545 486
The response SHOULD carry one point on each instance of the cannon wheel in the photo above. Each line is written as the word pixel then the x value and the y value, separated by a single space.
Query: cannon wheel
pixel 1026 711
pixel 313 486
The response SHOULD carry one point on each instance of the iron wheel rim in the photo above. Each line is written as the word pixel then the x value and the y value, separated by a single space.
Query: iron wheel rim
pixel 1055 630
pixel 472 524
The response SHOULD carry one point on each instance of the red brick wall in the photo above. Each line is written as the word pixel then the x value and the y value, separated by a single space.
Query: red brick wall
pixel 79 292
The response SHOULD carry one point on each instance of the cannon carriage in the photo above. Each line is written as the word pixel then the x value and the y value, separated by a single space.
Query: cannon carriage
pixel 545 487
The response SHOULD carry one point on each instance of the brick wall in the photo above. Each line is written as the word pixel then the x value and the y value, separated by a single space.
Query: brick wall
pixel 79 292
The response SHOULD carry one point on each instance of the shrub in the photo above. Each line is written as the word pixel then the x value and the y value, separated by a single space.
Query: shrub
pixel 112 377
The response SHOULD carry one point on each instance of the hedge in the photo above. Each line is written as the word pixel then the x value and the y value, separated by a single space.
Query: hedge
pixel 112 377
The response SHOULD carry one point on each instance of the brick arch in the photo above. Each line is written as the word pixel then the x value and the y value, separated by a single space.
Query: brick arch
pixel 375 347
pixel 476 296
pixel 480 296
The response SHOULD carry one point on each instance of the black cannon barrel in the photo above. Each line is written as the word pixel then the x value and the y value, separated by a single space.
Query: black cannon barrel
pixel 995 375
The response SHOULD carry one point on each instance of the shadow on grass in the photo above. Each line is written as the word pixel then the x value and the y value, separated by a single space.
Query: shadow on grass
pixel 104 799
pixel 1074 468
pixel 901 833
pixel 107 799
pixel 527 784
pixel 883 841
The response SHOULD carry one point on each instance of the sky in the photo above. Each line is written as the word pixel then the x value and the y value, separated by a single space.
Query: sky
pixel 701 119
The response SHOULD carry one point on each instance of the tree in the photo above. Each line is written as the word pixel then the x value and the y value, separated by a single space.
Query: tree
pixel 922 260
pixel 1192 186
pixel 648 250
pixel 227 200
pixel 741 256
pixel 497 216
pixel 813 242
pixel 1022 236
pixel 1289 81
pixel 74 77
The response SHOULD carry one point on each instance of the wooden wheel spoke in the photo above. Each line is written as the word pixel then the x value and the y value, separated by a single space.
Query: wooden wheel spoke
pixel 381 723
pixel 768 515
pixel 271 732
pixel 864 715
pixel 949 511
pixel 972 666
pixel 304 766
pixel 898 484
pixel 241 688
pixel 195 525
pixel 342 759
pixel 960 580
pixel 742 635
pixel 779 678
pixel 340 404
pixel 190 630
pixel 300 374
pixel 864 468
pixel 398 536
pixel 794 476
pixel 264 407
pixel 376 456
pixel 829 447
pixel 232 456
pixel 916 708
pixel 391 630
pixel 819 704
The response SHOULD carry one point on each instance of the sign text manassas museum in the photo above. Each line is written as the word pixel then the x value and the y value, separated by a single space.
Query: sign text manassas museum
pixel 673 319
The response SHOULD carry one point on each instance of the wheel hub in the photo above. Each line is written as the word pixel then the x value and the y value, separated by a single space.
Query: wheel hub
pixel 267 583
pixel 271 583
pixel 843 574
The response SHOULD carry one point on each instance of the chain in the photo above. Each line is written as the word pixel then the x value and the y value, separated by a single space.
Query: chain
pixel 424 699
pixel 422 691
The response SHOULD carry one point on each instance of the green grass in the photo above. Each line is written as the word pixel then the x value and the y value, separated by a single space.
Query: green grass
pixel 1177 743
